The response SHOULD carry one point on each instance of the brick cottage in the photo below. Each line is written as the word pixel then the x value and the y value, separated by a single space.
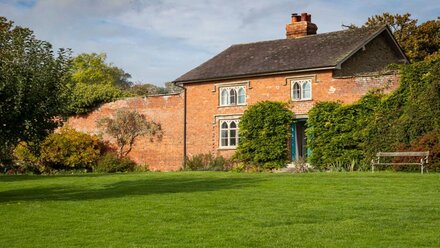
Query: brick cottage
pixel 302 69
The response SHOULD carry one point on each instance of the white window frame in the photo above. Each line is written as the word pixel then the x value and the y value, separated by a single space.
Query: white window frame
pixel 301 83
pixel 228 96
pixel 229 129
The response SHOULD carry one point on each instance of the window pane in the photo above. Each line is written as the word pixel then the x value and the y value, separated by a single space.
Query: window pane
pixel 232 97
pixel 224 98
pixel 233 137
pixel 306 90
pixel 224 137
pixel 225 125
pixel 296 94
pixel 241 96
pixel 233 125
pixel 224 142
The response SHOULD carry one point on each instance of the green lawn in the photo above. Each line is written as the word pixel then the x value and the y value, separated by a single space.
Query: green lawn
pixel 215 209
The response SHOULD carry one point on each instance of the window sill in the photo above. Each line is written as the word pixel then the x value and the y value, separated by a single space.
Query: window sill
pixel 231 106
pixel 227 148
pixel 302 100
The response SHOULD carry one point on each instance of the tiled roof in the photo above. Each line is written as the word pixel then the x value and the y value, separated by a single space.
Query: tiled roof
pixel 325 50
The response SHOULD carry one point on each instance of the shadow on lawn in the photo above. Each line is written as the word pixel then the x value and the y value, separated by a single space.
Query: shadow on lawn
pixel 145 186
pixel 18 178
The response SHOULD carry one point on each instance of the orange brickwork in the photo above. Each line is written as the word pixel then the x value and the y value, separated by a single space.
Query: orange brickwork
pixel 164 154
pixel 204 110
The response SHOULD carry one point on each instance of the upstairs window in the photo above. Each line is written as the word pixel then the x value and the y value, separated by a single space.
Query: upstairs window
pixel 302 90
pixel 231 96
pixel 229 136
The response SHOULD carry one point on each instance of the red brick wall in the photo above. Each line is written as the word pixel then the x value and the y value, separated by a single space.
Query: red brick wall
pixel 203 101
pixel 203 112
pixel 165 154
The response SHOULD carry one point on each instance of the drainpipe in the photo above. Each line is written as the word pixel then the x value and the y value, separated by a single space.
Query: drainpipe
pixel 184 122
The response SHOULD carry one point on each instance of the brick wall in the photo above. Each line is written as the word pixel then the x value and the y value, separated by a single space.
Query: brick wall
pixel 204 112
pixel 374 57
pixel 165 154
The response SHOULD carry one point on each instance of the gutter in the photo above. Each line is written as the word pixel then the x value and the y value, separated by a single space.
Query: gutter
pixel 254 75
pixel 184 123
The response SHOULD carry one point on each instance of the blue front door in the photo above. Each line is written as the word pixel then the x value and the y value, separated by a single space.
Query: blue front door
pixel 293 142
pixel 298 139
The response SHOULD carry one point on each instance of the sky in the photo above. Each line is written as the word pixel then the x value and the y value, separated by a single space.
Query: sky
pixel 156 41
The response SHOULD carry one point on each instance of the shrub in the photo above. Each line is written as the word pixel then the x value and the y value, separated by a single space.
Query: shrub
pixel 264 132
pixel 206 162
pixel 336 132
pixel 126 127
pixel 110 163
pixel 86 97
pixel 408 113
pixel 427 142
pixel 70 149
pixel 339 134
pixel 26 157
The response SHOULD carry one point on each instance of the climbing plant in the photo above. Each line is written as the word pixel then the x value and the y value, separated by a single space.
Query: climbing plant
pixel 264 132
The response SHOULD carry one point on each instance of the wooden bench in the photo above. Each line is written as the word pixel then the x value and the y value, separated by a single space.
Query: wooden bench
pixel 423 161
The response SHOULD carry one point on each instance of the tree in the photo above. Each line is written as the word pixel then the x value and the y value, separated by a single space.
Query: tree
pixel 418 42
pixel 151 89
pixel 94 82
pixel 126 126
pixel 426 41
pixel 264 132
pixel 33 90
pixel 92 69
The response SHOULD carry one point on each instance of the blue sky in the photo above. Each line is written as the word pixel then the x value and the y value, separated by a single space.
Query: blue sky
pixel 158 40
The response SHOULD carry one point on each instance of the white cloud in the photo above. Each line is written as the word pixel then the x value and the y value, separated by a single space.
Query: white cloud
pixel 158 40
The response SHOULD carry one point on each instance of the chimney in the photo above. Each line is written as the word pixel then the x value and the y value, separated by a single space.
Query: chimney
pixel 301 26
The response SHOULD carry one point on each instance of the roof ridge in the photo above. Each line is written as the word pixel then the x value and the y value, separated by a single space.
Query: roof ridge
pixel 313 35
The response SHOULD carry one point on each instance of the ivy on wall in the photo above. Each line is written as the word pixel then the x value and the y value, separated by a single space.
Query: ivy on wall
pixel 264 132
pixel 341 133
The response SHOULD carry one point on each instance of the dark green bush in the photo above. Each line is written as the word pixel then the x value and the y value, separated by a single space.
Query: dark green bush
pixel 352 134
pixel 206 162
pixel 69 149
pixel 110 163
pixel 336 132
pixel 264 133
pixel 408 113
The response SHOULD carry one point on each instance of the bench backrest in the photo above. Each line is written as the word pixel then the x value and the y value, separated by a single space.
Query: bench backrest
pixel 402 154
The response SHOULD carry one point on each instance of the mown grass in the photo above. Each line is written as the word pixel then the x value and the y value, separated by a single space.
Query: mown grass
pixel 214 209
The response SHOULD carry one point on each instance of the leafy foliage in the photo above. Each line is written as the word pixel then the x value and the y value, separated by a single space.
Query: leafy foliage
pixel 26 157
pixel 336 131
pixel 92 69
pixel 85 97
pixel 426 142
pixel 94 82
pixel 418 42
pixel 344 133
pixel 409 112
pixel 69 149
pixel 109 163
pixel 32 86
pixel 151 89
pixel 126 127
pixel 206 162
pixel 264 132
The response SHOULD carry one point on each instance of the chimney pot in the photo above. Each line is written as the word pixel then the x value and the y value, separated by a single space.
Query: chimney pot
pixel 303 17
pixel 295 17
